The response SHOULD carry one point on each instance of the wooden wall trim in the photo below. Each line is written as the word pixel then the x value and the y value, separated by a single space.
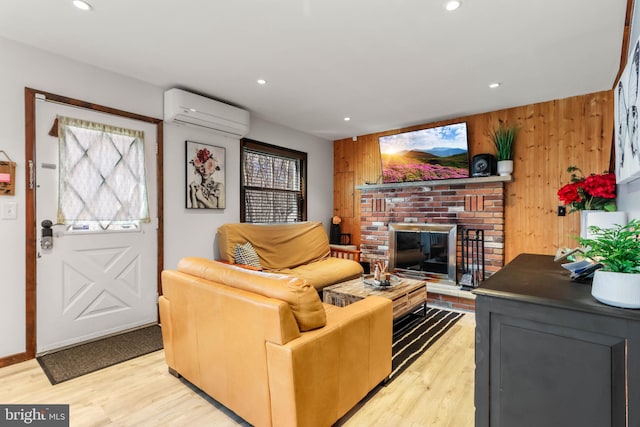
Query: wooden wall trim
pixel 626 35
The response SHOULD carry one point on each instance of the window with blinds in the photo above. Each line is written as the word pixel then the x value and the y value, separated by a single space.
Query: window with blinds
pixel 272 183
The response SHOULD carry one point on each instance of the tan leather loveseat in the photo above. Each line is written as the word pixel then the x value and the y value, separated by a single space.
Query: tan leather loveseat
pixel 264 345
pixel 299 249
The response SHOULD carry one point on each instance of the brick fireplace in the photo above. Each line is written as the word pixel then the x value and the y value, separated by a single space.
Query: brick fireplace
pixel 476 203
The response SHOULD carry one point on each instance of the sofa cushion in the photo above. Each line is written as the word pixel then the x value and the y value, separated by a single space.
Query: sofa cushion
pixel 278 245
pixel 301 297
pixel 245 254
pixel 326 272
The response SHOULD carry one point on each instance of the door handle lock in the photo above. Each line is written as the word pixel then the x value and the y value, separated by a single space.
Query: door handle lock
pixel 47 235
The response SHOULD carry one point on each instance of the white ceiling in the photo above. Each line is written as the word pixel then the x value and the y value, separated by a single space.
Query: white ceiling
pixel 386 64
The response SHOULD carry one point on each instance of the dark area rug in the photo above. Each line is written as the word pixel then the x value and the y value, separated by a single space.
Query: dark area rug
pixel 415 333
pixel 82 359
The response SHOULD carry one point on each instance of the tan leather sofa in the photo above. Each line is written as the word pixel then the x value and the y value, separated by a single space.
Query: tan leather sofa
pixel 264 345
pixel 299 249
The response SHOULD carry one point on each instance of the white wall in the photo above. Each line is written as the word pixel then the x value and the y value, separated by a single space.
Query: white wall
pixel 628 199
pixel 186 232
pixel 183 223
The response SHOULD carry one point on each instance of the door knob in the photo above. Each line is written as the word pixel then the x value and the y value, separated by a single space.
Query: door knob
pixel 47 235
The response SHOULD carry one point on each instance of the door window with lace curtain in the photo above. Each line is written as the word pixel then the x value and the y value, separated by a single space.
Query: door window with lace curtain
pixel 102 180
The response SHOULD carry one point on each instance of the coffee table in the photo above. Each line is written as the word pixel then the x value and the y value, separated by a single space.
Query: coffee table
pixel 406 294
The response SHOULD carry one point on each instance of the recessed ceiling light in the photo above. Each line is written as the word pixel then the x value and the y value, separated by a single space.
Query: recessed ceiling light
pixel 494 85
pixel 82 5
pixel 261 81
pixel 346 119
pixel 452 5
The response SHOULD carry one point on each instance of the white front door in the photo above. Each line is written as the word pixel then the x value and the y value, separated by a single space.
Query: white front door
pixel 91 283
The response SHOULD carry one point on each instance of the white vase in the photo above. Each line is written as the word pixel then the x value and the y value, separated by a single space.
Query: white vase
pixel 616 289
pixel 505 167
pixel 600 219
pixel 584 223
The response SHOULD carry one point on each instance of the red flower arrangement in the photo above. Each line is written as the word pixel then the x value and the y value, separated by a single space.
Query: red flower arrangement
pixel 596 192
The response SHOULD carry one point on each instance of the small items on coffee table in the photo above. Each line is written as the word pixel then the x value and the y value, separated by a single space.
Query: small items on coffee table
pixel 381 276
pixel 406 294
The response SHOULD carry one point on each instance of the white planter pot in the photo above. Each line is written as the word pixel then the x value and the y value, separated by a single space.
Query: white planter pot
pixel 584 223
pixel 600 219
pixel 616 289
pixel 505 167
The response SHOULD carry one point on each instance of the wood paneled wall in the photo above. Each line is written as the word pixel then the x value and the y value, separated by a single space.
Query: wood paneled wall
pixel 553 135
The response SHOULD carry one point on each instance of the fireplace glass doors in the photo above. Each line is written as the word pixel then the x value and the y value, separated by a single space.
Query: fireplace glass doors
pixel 424 250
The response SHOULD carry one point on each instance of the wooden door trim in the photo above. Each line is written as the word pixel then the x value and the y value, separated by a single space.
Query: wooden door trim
pixel 30 97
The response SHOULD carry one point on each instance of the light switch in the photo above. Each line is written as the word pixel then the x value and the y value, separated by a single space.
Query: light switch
pixel 10 210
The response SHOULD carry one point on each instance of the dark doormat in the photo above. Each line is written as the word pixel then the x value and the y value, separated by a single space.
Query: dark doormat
pixel 416 333
pixel 82 359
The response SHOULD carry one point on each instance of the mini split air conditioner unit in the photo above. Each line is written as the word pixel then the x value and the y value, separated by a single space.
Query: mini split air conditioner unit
pixel 182 107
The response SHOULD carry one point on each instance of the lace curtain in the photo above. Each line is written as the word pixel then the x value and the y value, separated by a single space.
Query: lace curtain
pixel 102 174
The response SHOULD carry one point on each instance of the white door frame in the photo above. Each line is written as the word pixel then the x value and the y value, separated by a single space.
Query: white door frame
pixel 32 230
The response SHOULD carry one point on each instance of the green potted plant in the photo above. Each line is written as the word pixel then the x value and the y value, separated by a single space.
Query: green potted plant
pixel 617 248
pixel 503 138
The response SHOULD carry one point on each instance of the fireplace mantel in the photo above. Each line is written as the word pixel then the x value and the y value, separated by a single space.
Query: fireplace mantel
pixel 461 181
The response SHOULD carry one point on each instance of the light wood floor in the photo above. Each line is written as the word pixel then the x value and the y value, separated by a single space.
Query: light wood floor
pixel 436 390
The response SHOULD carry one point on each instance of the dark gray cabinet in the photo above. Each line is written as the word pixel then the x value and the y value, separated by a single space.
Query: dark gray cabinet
pixel 548 354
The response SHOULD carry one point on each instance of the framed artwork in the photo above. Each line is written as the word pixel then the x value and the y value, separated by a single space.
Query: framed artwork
pixel 7 176
pixel 626 106
pixel 205 165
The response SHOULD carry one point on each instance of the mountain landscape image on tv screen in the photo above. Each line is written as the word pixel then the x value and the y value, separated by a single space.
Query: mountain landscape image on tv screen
pixel 425 155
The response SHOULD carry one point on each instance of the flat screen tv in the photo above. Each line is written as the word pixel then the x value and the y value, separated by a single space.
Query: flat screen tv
pixel 425 155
